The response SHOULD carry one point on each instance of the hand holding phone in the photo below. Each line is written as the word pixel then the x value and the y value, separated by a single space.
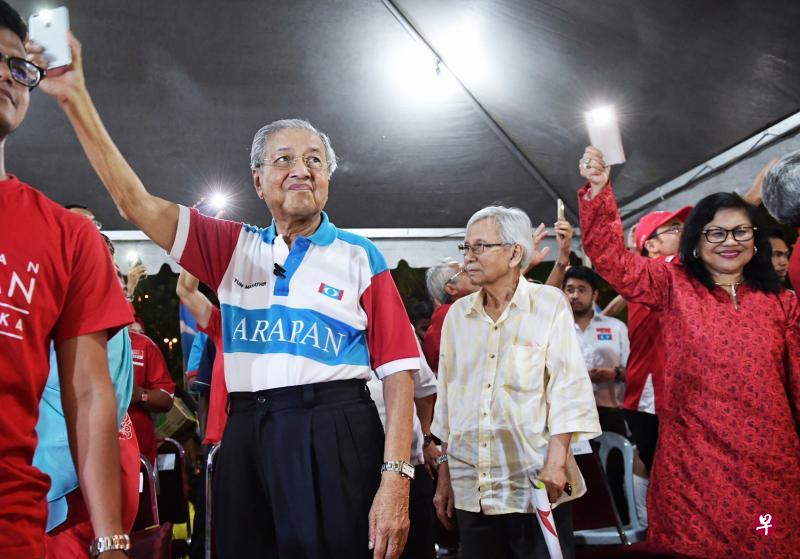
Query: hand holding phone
pixel 48 29
pixel 604 134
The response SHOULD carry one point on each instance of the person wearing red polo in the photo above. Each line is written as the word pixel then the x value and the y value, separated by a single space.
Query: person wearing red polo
pixel 153 389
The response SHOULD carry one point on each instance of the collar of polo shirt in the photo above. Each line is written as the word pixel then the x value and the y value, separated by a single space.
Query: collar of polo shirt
pixel 323 236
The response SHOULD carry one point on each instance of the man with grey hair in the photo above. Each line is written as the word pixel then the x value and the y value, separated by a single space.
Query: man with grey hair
pixel 781 193
pixel 308 311
pixel 513 393
pixel 446 283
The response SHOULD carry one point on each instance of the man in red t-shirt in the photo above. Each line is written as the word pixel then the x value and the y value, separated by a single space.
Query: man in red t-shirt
pixel 57 285
pixel 153 390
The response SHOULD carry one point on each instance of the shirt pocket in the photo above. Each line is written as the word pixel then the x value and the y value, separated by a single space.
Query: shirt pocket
pixel 524 371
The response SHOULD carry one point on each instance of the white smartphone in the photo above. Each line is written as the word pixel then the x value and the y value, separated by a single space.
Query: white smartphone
pixel 604 134
pixel 561 215
pixel 48 28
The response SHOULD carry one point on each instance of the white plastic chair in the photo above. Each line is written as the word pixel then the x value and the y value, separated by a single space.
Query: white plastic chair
pixel 633 531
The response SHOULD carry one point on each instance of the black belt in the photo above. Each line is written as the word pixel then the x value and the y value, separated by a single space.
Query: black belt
pixel 300 396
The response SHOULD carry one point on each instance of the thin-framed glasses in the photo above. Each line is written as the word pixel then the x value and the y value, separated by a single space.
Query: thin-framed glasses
pixel 285 162
pixel 740 233
pixel 478 248
pixel 674 229
pixel 23 71
pixel 452 278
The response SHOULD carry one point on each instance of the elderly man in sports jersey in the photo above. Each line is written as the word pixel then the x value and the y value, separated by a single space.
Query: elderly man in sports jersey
pixel 308 311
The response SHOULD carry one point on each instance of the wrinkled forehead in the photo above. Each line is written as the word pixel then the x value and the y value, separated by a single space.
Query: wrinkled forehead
pixel 485 229
pixel 294 140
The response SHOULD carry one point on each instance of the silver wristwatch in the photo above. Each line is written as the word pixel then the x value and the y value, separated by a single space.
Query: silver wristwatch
pixel 441 459
pixel 121 542
pixel 403 468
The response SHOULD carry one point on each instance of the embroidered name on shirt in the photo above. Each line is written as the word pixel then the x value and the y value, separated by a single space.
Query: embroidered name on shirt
pixel 330 291
pixel 250 285
pixel 604 334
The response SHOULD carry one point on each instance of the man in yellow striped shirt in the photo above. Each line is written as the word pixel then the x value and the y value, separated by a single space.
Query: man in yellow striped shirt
pixel 513 393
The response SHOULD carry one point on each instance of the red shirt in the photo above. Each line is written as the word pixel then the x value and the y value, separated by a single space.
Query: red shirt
pixel 647 351
pixel 57 282
pixel 149 371
pixel 218 398
pixel 433 337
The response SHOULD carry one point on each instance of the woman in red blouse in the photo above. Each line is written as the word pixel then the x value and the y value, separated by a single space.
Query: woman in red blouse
pixel 726 473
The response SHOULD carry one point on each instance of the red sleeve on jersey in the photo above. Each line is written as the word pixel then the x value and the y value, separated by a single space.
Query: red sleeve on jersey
pixel 209 246
pixel 94 299
pixel 390 336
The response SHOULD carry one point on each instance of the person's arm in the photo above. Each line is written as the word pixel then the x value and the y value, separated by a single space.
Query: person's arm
pixel 444 499
pixel 564 239
pixel 615 306
pixel 538 256
pixel 753 196
pixel 158 218
pixel 388 516
pixel 554 472
pixel 638 279
pixel 188 290
pixel 90 411
pixel 156 401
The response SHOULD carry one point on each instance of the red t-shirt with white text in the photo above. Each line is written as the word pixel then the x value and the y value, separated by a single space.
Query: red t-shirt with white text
pixel 57 282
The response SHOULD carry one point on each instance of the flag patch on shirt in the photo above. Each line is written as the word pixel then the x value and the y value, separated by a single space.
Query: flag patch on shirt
pixel 604 335
pixel 330 291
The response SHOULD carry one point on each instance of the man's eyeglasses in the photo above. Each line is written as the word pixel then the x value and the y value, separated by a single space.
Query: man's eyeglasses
pixel 452 278
pixel 23 71
pixel 718 235
pixel 285 162
pixel 478 248
pixel 673 230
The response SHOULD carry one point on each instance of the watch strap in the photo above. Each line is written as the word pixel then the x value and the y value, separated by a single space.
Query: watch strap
pixel 121 542
pixel 401 467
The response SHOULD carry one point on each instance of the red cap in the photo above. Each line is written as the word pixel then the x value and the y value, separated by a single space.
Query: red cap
pixel 652 221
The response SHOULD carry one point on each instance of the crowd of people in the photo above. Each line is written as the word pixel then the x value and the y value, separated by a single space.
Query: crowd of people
pixel 345 431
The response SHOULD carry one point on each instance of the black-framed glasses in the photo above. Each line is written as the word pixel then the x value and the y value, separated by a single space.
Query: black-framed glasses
pixel 23 71
pixel 285 162
pixel 674 229
pixel 478 248
pixel 740 233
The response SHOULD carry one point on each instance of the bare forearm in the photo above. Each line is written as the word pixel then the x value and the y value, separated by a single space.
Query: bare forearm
pixel 90 411
pixel 425 412
pixel 398 393
pixel 132 199
pixel 188 291
pixel 158 401
pixel 557 450
pixel 556 277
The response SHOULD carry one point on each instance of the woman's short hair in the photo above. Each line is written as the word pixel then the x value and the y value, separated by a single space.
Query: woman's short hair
pixel 758 273
pixel 514 227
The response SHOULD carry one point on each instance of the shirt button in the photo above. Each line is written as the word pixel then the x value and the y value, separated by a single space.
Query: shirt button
pixel 485 445
pixel 489 385
pixel 491 356
pixel 496 327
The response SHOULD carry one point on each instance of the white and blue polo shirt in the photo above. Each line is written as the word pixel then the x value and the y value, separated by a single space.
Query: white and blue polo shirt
pixel 335 315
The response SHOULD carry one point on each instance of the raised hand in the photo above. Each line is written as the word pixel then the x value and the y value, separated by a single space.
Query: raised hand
pixel 594 169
